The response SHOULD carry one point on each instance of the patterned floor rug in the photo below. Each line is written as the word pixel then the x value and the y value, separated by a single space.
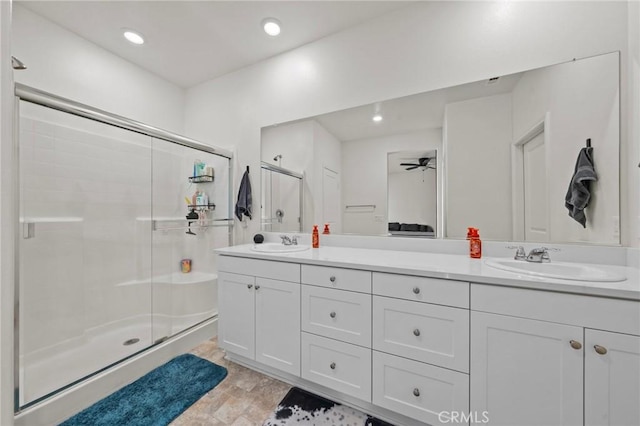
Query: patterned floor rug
pixel 300 407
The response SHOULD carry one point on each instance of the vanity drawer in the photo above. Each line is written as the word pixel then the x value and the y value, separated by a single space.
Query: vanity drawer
pixel 281 271
pixel 343 279
pixel 337 365
pixel 418 390
pixel 428 333
pixel 422 289
pixel 339 314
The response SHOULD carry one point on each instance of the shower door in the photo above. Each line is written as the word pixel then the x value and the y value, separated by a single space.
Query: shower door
pixel 184 270
pixel 281 199
pixel 84 276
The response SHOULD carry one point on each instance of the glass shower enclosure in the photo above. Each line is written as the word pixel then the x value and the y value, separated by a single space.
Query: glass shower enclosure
pixel 282 196
pixel 109 264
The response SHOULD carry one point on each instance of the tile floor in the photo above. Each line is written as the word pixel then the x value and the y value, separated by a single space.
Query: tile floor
pixel 243 398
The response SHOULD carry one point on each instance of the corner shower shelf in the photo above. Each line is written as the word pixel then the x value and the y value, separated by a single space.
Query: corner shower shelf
pixel 201 179
pixel 209 206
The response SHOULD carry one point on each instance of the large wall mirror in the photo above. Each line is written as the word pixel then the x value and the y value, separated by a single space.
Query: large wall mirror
pixel 498 155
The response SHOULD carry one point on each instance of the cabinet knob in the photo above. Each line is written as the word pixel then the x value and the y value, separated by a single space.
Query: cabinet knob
pixel 600 350
pixel 249 286
pixel 575 344
pixel 332 279
pixel 416 332
pixel 416 392
pixel 416 290
pixel 257 287
pixel 332 365
pixel 332 314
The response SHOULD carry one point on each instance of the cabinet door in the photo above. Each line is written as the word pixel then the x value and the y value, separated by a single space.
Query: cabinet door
pixel 278 324
pixel 236 331
pixel 526 372
pixel 612 379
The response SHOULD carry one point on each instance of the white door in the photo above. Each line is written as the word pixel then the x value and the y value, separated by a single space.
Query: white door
pixel 278 324
pixel 612 379
pixel 331 200
pixel 536 219
pixel 236 331
pixel 526 372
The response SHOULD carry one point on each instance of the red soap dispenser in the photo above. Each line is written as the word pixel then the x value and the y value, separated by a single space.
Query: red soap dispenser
pixel 475 244
pixel 315 237
pixel 326 229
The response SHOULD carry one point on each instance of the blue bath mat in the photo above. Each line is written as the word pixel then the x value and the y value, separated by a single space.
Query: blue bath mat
pixel 156 398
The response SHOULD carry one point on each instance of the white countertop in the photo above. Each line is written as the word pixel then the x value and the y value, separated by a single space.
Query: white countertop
pixel 449 266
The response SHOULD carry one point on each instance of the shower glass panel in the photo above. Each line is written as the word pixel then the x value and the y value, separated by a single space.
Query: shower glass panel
pixel 85 294
pixel 184 269
pixel 281 201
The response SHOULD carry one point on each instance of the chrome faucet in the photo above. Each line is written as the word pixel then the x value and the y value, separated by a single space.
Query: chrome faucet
pixel 287 240
pixel 539 255
pixel 520 255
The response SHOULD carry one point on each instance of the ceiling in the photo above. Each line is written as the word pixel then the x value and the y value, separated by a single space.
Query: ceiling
pixel 189 42
pixel 410 113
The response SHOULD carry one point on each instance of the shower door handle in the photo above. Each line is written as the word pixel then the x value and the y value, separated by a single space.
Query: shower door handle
pixel 28 230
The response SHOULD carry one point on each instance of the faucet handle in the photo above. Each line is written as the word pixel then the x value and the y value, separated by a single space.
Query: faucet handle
pixel 520 254
pixel 294 240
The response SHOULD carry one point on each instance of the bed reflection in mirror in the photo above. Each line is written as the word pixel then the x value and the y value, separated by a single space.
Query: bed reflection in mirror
pixel 412 193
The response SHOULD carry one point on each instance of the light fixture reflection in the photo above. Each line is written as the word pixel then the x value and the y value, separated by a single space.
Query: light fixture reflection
pixel 271 26
pixel 133 37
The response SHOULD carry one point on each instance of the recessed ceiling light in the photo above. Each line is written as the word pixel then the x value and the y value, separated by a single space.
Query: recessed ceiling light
pixel 133 37
pixel 377 118
pixel 271 26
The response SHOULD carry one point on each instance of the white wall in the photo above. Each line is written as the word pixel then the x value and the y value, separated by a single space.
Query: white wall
pixel 575 114
pixel 67 65
pixel 630 153
pixel 364 181
pixel 398 55
pixel 479 138
pixel 326 154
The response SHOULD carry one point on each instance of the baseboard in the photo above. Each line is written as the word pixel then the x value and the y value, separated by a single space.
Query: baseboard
pixel 366 407
pixel 80 396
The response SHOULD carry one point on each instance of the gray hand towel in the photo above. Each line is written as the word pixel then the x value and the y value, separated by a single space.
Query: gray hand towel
pixel 243 206
pixel 578 194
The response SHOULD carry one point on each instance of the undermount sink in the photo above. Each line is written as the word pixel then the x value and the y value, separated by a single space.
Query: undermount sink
pixel 278 248
pixel 561 270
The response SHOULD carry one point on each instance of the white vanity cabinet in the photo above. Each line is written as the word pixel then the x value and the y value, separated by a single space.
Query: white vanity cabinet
pixel 416 350
pixel 259 315
pixel 526 372
pixel 336 329
pixel 536 358
pixel 612 378
pixel 421 346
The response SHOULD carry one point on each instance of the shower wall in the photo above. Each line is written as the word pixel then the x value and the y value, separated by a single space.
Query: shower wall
pixel 97 283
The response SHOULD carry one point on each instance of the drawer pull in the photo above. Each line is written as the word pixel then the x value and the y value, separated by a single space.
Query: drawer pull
pixel 332 314
pixel 416 332
pixel 332 279
pixel 416 392
pixel 416 290
pixel 249 286
pixel 332 366
pixel 600 350
pixel 257 287
pixel 575 344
